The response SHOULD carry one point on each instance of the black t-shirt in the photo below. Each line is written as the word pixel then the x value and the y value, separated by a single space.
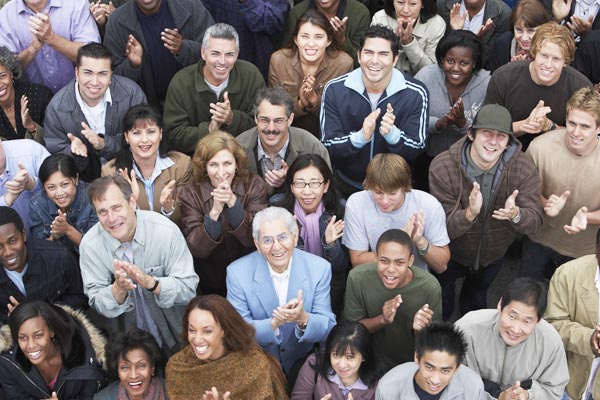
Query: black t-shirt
pixel 423 395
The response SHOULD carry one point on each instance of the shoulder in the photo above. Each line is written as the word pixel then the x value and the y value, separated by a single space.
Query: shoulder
pixel 469 380
pixel 474 319
pixel 123 86
pixel 435 24
pixel 363 273
pixel 247 265
pixel 581 269
pixel 548 139
pixel 152 220
pixel 180 159
pixel 548 335
pixel 184 78
pixel 576 78
pixel 428 73
pixel 398 377
pixel 246 69
pixel 65 94
pixel 424 279
pixel 362 197
pixel 510 69
pixel 44 247
pixel 302 138
pixel 357 8
pixel 248 139
pixel 423 199
pixel 310 261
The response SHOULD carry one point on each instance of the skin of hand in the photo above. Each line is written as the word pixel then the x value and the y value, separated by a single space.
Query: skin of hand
pixel 11 306
pixel 456 114
pixel 561 8
pixel 515 392
pixel 422 318
pixel 537 120
pixel 457 21
pixel 389 309
pixel 222 112
pixel 222 195
pixel 96 141
pixel 213 394
pixel 334 230
pixel 21 181
pixel 292 311
pixel 580 26
pixel 134 52
pixel 132 180
pixel 594 340
pixel 136 274
pixel 369 123
pixel 60 226
pixel 578 222
pixel 54 396
pixel 25 116
pixel 510 210
pixel 276 178
pixel 172 40
pixel 40 26
pixel 339 28
pixel 167 196
pixel 77 146
pixel 308 98
pixel 98 12
pixel 122 280
pixel 475 202
pixel 555 204
pixel 387 121
pixel 519 57
pixel 415 227
pixel 405 33
pixel 489 24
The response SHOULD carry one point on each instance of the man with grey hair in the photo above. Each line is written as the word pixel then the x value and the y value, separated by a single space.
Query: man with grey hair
pixel 217 93
pixel 282 291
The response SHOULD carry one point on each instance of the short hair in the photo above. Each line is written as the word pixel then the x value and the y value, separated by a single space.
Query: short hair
pixel 444 337
pixel 221 31
pixel 93 50
pixel 276 96
pixel 10 216
pixel 557 34
pixel 58 162
pixel 317 19
pixel 394 236
pixel 428 9
pixel 210 145
pixel 349 336
pixel 66 335
pixel 239 335
pixel 272 214
pixel 388 172
pixel 98 187
pixel 382 32
pixel 531 12
pixel 587 100
pixel 460 38
pixel 136 339
pixel 528 291
pixel 10 61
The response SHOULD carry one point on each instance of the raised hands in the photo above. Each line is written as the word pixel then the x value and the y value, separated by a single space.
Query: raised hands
pixel 77 146
pixel 334 230
pixel 95 140
pixel 423 317
pixel 339 28
pixel 308 97
pixel 457 20
pixel 555 204
pixel 20 182
pixel 132 180
pixel 101 11
pixel 515 392
pixel 475 202
pixel 389 309
pixel 167 197
pixel 172 40
pixel 510 210
pixel 213 394
pixel 578 222
pixel 405 32
pixel 134 51
pixel 39 25
pixel 28 123
pixel 292 311
pixel 221 111
pixel 580 26
pixel 415 226
pixel 489 24
pixel 222 195
pixel 594 339
pixel 276 177
pixel 537 120
pixel 387 121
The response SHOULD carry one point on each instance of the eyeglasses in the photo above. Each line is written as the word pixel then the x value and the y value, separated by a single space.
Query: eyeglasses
pixel 303 184
pixel 283 238
pixel 267 121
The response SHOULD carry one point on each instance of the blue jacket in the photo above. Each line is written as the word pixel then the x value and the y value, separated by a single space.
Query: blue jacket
pixel 346 104
pixel 250 290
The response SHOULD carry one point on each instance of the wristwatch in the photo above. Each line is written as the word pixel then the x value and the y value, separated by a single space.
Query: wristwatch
pixel 153 288
pixel 424 250
pixel 517 218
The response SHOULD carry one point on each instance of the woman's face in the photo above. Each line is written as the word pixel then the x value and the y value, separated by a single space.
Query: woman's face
pixel 144 140
pixel 523 35
pixel 309 198
pixel 6 87
pixel 35 340
pixel 221 168
pixel 205 335
pixel 312 41
pixel 346 364
pixel 61 190
pixel 135 372
pixel 407 9
pixel 458 66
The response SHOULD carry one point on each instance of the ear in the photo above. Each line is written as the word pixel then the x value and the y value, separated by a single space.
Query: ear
pixel 290 119
pixel 499 306
pixel 470 134
pixel 76 179
pixel 416 358
pixel 411 260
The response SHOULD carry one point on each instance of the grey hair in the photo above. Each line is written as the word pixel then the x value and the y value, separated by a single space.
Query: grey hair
pixel 221 31
pixel 277 96
pixel 9 60
pixel 272 214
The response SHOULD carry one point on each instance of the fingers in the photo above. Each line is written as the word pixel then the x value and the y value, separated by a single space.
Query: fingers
pixel 565 195
pixel 170 185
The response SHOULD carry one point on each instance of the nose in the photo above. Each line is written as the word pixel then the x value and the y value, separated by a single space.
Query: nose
pixel 222 59
pixel 405 7
pixel 132 372
pixel 435 378
pixel 306 189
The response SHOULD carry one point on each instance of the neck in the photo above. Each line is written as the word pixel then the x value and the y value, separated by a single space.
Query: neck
pixel 145 165
pixel 9 105
pixel 152 11
pixel 474 9
pixel 330 11
pixel 349 381
pixel 39 8
pixel 377 87
pixel 310 67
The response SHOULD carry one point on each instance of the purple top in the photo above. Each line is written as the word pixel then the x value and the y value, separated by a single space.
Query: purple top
pixel 70 19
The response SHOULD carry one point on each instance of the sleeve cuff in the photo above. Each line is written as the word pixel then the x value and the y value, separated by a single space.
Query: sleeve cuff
pixel 394 136
pixel 357 139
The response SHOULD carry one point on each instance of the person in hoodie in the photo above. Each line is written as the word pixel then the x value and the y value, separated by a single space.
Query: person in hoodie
pixel 490 192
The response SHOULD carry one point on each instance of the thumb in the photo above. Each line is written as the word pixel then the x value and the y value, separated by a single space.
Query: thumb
pixel 350 396
pixel 514 194
pixel 54 395
pixel 171 184
pixel 71 137
pixel 390 108
pixel 284 165
pixel 226 97
pixel 84 125
pixel 21 166
pixel 540 104
pixel 332 220
pixel 565 195
pixel 583 209
pixel 299 295
pixel 344 20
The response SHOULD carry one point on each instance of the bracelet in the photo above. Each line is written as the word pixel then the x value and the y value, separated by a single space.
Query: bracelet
pixel 153 288
pixel 424 250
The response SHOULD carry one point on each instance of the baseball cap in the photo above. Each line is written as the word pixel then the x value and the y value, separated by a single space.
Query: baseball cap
pixel 493 116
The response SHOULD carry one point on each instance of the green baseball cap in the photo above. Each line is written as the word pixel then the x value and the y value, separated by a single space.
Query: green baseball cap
pixel 493 116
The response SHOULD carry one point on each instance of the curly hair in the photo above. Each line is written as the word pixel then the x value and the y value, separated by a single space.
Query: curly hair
pixel 210 145
pixel 10 61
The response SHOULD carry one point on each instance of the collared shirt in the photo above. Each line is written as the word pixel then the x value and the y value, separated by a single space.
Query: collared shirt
pixel 218 89
pixel 596 362
pixel 266 164
pixel 95 115
pixel 472 24
pixel 281 282
pixel 17 278
pixel 160 165
pixel 484 178
pixel 586 8
pixel 358 385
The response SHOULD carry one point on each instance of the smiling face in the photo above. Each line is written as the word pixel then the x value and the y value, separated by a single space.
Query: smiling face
pixel 393 262
pixel 148 7
pixel 93 79
pixel 135 373
pixel 221 168
pixel 13 252
pixel 327 7
pixel 458 66
pixel 516 322
pixel 116 215
pixel 205 335
pixel 35 340
pixel 523 35
pixel 436 369
pixel 388 201
pixel 346 364
pixel 144 140
pixel 309 198
pixel 548 64
pixel 6 88
pixel 61 190
pixel 407 9
pixel 273 123
pixel 582 132
pixel 282 242
pixel 312 41
pixel 220 56
pixel 487 147
pixel 376 64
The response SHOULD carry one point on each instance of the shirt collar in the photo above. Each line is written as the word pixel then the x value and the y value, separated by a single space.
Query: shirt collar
pixel 283 275
pixel 358 385
pixel 107 98
pixel 160 165
pixel 281 153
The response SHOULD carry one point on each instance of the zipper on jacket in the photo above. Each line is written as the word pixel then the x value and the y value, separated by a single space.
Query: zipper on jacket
pixel 48 395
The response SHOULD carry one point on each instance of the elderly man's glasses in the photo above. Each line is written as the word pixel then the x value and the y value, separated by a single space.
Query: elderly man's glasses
pixel 279 122
pixel 283 238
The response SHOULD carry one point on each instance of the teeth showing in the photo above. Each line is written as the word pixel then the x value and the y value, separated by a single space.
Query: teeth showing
pixel 135 385
pixel 201 349
pixel 35 355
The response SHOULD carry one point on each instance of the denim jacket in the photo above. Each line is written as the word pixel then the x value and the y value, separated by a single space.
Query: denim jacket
pixel 42 211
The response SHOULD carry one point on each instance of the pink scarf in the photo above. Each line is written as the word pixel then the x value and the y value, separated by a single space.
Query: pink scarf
pixel 309 231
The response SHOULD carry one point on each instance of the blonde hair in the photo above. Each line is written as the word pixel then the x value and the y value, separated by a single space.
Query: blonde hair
pixel 210 145
pixel 388 172
pixel 587 100
pixel 557 34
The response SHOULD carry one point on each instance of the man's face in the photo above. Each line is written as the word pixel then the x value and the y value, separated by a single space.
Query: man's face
pixel 548 64
pixel 93 78
pixel 116 214
pixel 327 6
pixel 436 369
pixel 376 62
pixel 487 147
pixel 388 201
pixel 272 123
pixel 582 132
pixel 393 262
pixel 148 7
pixel 220 56
pixel 516 322
pixel 13 253
pixel 276 243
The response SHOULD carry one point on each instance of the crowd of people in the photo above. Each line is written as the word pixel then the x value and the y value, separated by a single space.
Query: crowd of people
pixel 272 199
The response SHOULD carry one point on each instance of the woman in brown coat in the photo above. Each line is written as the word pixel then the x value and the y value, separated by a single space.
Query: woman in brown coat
pixel 217 208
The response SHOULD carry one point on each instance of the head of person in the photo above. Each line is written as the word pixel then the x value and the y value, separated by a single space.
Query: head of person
pixel 377 56
pixel 417 10
pixel 583 121
pixel 440 348
pixel 308 182
pixel 275 235
pixel 41 331
pixel 327 6
pixel 273 114
pixel 148 7
pixel 460 55
pixel 112 199
pixel 220 50
pixel 388 178
pixel 524 21
pixel 142 137
pixel 59 176
pixel 93 72
pixel 213 328
pixel 552 49
pixel 13 251
pixel 394 257
pixel 521 307
pixel 490 135
pixel 10 71
pixel 220 158
pixel 313 37
pixel 133 358
pixel 348 352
